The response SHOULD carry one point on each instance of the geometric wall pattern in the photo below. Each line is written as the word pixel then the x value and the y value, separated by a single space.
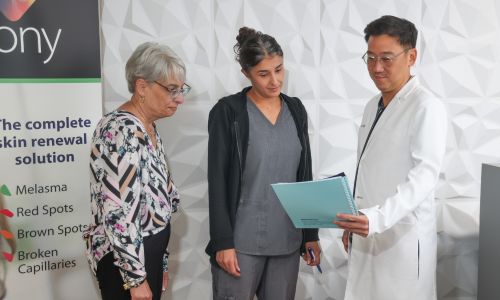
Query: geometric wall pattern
pixel 459 60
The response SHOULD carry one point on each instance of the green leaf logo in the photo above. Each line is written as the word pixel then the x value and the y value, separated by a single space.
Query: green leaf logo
pixel 5 190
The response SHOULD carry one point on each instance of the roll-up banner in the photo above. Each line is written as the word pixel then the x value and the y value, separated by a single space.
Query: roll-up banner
pixel 50 101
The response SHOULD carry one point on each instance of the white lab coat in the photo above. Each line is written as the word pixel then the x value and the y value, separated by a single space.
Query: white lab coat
pixel 397 175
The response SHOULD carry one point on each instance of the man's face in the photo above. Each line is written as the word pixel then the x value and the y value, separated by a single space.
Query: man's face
pixel 389 63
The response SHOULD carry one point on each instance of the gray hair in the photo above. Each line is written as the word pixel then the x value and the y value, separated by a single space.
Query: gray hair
pixel 152 61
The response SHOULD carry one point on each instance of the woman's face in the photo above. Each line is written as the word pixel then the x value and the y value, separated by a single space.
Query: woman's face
pixel 159 102
pixel 267 76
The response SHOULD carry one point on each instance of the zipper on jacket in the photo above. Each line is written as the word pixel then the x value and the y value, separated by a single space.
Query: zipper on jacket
pixel 305 157
pixel 236 129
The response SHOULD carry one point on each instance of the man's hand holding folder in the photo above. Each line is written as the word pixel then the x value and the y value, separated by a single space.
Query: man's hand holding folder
pixel 352 224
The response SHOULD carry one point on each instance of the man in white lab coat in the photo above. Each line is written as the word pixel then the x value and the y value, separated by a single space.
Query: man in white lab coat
pixel 401 144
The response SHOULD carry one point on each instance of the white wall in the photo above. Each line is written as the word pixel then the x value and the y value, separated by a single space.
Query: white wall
pixel 459 60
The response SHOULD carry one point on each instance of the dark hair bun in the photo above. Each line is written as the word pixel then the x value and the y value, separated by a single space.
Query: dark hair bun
pixel 253 46
pixel 245 34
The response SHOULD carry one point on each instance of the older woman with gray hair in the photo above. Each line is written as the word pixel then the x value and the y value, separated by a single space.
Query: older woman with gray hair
pixel 132 192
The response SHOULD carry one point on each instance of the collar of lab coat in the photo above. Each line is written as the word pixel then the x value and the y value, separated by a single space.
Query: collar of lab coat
pixel 406 90
pixel 398 99
pixel 401 96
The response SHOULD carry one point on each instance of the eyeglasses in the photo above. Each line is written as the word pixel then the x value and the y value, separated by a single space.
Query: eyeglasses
pixel 175 92
pixel 386 60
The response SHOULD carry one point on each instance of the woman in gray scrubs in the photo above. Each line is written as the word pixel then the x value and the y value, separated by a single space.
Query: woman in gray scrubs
pixel 257 137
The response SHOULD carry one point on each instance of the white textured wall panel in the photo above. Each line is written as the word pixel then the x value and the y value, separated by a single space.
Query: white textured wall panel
pixel 459 60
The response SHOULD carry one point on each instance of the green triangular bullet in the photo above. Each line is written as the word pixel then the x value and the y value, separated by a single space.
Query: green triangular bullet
pixel 5 190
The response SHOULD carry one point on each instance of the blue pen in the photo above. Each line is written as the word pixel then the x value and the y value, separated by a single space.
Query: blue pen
pixel 311 254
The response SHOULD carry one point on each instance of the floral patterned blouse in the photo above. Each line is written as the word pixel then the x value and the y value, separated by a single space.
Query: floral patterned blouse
pixel 132 194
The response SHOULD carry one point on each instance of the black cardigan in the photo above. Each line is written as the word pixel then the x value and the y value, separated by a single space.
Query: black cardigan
pixel 227 147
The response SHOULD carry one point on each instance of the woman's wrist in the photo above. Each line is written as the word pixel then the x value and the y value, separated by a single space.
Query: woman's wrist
pixel 133 283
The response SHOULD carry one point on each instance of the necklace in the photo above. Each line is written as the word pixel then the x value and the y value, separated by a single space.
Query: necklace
pixel 141 116
pixel 149 127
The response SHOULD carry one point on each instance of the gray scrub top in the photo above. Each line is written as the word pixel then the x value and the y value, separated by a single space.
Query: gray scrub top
pixel 262 226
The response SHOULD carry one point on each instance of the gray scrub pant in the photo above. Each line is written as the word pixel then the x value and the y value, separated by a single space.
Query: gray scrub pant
pixel 268 277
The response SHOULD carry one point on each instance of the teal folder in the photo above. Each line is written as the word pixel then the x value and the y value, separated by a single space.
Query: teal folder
pixel 315 204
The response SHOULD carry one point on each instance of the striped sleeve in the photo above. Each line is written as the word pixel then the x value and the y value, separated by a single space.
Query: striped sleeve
pixel 121 200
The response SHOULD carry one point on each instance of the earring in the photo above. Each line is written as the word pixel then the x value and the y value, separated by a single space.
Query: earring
pixel 143 99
